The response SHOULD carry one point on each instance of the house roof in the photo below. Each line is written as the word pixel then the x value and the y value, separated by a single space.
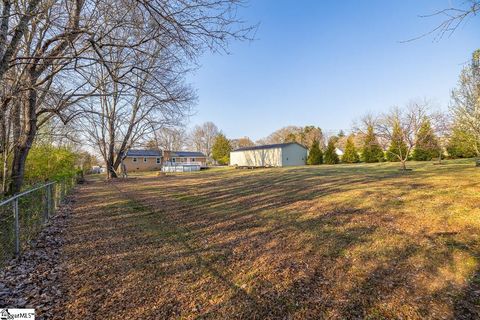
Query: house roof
pixel 269 146
pixel 186 154
pixel 144 153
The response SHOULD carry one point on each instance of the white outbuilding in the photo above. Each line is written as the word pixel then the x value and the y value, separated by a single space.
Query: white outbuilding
pixel 272 155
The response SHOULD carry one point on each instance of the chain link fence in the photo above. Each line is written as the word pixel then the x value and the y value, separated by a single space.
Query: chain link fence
pixel 23 215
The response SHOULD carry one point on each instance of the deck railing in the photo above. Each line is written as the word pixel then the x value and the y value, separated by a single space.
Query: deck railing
pixel 179 163
pixel 23 216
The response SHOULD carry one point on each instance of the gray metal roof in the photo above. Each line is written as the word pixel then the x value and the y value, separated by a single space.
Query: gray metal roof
pixel 269 146
pixel 186 154
pixel 144 153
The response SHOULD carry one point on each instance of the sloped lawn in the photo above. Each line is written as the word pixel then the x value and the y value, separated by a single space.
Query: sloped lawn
pixel 340 242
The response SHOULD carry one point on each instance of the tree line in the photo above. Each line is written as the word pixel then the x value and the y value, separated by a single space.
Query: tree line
pixel 110 75
pixel 416 131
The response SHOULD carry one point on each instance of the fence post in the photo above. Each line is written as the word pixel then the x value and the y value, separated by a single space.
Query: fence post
pixel 45 208
pixel 49 200
pixel 57 194
pixel 17 226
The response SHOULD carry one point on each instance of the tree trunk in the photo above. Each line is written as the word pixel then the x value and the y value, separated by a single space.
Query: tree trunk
pixel 20 154
pixel 404 165
pixel 4 146
pixel 4 171
pixel 111 173
pixel 24 143
pixel 111 152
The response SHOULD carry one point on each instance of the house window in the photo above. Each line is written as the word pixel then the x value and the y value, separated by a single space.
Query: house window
pixel 134 159
pixel 144 159
pixel 193 159
pixel 158 160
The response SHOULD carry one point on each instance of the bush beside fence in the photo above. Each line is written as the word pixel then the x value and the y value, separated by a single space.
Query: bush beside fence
pixel 23 215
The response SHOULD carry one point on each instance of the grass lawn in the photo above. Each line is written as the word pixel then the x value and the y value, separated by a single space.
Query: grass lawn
pixel 362 241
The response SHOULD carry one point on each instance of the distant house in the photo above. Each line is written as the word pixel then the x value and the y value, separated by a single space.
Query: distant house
pixel 151 160
pixel 143 160
pixel 98 169
pixel 272 155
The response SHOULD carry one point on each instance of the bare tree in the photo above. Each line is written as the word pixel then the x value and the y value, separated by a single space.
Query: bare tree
pixel 241 143
pixel 44 50
pixel 203 137
pixel 170 138
pixel 285 134
pixel 453 18
pixel 466 100
pixel 15 21
pixel 132 107
pixel 303 135
pixel 397 130
pixel 442 128
pixel 48 48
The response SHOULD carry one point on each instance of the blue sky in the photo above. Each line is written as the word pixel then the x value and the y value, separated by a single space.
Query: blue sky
pixel 326 63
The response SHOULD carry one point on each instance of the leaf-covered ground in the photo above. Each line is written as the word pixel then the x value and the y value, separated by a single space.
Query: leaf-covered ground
pixel 328 242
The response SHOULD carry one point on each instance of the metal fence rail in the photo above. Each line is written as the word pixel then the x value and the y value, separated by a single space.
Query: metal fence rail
pixel 23 215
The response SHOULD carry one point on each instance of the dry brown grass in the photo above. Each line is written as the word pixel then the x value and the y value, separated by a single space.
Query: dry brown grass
pixel 333 242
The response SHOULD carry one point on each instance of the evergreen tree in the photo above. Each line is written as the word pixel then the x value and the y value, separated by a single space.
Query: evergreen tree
pixel 462 144
pixel 372 151
pixel 427 146
pixel 398 147
pixel 315 156
pixel 350 155
pixel 330 156
pixel 221 149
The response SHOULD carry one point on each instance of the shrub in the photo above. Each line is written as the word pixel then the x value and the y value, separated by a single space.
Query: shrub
pixel 47 162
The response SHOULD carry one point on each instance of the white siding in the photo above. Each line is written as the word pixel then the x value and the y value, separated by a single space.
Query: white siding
pixel 294 155
pixel 271 157
pixel 286 155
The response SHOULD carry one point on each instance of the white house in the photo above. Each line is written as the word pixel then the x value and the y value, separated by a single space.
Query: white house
pixel 272 155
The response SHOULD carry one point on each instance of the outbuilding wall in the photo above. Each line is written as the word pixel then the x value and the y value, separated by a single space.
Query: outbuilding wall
pixel 294 155
pixel 271 157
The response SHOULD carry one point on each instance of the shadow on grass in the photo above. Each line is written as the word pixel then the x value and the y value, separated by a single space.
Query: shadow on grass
pixel 264 244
